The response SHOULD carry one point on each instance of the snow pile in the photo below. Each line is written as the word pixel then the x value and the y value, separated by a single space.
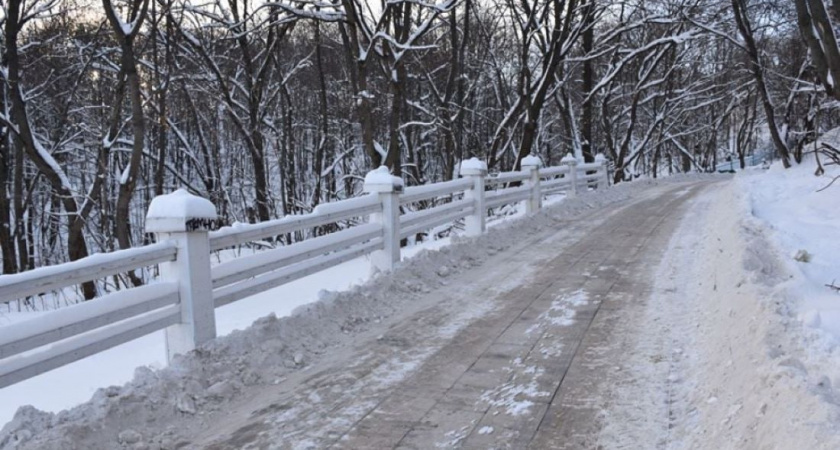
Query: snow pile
pixel 722 360
pixel 804 224
pixel 568 159
pixel 380 178
pixel 473 166
pixel 154 409
pixel 532 161
pixel 180 205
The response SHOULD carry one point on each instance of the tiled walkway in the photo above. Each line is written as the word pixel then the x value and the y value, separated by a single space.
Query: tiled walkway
pixel 528 371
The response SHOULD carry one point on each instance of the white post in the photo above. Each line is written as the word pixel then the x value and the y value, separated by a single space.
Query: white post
pixel 571 163
pixel 186 219
pixel 599 158
pixel 388 187
pixel 476 170
pixel 532 163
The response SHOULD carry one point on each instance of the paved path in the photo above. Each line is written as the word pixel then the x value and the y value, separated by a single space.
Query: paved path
pixel 526 364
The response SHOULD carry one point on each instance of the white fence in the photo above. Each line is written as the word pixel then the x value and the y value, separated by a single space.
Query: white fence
pixel 183 301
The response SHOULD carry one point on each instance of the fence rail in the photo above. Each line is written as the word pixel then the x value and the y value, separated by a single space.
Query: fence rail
pixel 183 301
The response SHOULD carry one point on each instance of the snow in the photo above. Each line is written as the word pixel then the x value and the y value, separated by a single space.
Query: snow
pixel 116 366
pixel 474 163
pixel 562 309
pixel 41 274
pixel 802 220
pixel 299 320
pixel 48 158
pixel 381 176
pixel 77 313
pixel 125 173
pixel 379 149
pixel 181 205
pixel 531 160
pixel 727 353
pixel 515 398
pixel 568 159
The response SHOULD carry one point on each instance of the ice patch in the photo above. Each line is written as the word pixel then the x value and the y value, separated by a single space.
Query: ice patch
pixel 563 309
pixel 516 399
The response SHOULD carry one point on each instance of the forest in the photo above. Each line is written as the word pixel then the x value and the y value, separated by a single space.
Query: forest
pixel 271 108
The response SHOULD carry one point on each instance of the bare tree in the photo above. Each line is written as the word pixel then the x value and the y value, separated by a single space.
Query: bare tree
pixel 126 33
pixel 742 19
pixel 17 16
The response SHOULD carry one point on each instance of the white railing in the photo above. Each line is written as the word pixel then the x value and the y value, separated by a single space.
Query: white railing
pixel 183 300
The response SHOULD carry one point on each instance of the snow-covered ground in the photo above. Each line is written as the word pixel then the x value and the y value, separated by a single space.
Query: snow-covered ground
pixel 273 347
pixel 804 224
pixel 737 348
pixel 76 383
pixel 738 345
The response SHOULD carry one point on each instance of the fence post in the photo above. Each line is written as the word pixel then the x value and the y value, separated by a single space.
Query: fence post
pixel 475 170
pixel 532 163
pixel 186 219
pixel 571 163
pixel 388 187
pixel 599 158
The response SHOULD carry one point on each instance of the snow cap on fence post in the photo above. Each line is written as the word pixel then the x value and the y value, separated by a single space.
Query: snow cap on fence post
pixel 186 219
pixel 380 181
pixel 476 170
pixel 532 163
pixel 602 160
pixel 571 162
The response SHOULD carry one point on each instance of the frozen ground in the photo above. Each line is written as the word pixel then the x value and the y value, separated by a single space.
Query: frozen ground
pixel 76 383
pixel 722 360
pixel 683 322
pixel 803 224
pixel 159 407
pixel 273 348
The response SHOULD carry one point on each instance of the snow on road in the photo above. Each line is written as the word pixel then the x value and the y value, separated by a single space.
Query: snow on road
pixel 273 347
pixel 75 383
pixel 116 366
pixel 734 347
pixel 725 346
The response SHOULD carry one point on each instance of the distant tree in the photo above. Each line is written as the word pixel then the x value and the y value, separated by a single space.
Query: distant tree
pixel 817 26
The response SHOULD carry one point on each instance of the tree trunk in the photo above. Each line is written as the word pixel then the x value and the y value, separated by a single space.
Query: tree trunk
pixel 7 245
pixel 588 82
pixel 128 183
pixel 744 27
pixel 76 245
pixel 128 69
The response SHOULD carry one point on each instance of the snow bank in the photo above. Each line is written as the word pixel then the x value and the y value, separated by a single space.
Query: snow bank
pixel 158 405
pixel 721 360
pixel 804 225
